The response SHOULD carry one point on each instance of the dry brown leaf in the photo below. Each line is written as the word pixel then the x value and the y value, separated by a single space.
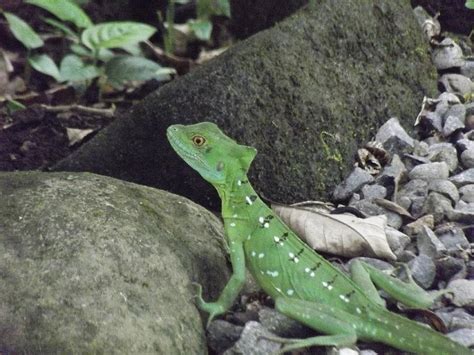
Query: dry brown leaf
pixel 344 235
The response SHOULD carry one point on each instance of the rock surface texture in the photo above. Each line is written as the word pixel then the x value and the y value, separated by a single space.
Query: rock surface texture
pixel 305 93
pixel 94 265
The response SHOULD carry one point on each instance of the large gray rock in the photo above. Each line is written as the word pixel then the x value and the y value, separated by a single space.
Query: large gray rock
pixel 304 99
pixel 94 265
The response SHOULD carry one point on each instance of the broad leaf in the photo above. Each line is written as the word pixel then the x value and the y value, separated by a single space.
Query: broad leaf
pixel 44 64
pixel 59 25
pixel 202 29
pixel 72 68
pixel 23 32
pixel 65 10
pixel 116 34
pixel 104 54
pixel 470 4
pixel 128 68
pixel 344 235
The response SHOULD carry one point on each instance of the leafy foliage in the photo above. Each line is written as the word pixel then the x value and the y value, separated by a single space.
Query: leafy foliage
pixel 470 4
pixel 202 25
pixel 65 10
pixel 90 55
pixel 125 68
pixel 44 64
pixel 23 32
pixel 116 34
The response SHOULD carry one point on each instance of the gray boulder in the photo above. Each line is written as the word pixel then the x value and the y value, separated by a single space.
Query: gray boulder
pixel 95 265
pixel 305 100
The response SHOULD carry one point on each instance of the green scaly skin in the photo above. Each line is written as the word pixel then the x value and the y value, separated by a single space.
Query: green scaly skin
pixel 303 284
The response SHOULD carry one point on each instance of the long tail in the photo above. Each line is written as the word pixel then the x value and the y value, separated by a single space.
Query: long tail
pixel 409 335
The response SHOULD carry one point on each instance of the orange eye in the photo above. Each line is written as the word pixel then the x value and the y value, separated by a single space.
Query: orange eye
pixel 199 140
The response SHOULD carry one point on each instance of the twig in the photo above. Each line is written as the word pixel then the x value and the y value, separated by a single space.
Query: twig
pixel 105 112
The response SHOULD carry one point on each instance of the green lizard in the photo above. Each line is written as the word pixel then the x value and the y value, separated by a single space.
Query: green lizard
pixel 303 284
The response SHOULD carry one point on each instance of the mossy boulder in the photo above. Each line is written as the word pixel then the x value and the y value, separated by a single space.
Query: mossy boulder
pixel 94 265
pixel 305 93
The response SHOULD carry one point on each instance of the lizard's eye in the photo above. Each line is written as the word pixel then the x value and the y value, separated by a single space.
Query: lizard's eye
pixel 199 140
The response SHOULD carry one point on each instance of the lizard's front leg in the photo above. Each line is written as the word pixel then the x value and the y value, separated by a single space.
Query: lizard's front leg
pixel 233 287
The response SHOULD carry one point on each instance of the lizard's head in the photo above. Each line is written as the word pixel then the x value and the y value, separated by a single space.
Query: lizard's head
pixel 209 151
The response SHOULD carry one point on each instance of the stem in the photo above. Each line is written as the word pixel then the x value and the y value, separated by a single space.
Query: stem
pixel 169 36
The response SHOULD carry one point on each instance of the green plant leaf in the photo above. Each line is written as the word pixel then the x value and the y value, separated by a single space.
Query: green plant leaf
pixel 116 34
pixel 23 32
pixel 13 105
pixel 72 68
pixel 65 10
pixel 44 64
pixel 470 4
pixel 223 8
pixel 62 27
pixel 125 68
pixel 80 50
pixel 201 28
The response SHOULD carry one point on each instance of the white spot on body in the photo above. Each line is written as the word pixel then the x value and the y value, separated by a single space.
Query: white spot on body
pixel 278 289
pixel 232 224
pixel 272 273
pixel 291 255
pixel 261 255
pixel 249 201
pixel 239 183
pixel 254 253
pixel 249 236
pixel 389 334
pixel 358 310
pixel 261 219
pixel 397 326
pixel 290 292
pixel 374 331
pixel 325 284
pixel 266 225
pixel 307 269
pixel 329 287
pixel 344 298
pixel 312 274
pixel 234 216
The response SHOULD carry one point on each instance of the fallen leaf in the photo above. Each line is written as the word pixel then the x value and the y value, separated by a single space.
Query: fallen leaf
pixel 344 235
pixel 77 135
